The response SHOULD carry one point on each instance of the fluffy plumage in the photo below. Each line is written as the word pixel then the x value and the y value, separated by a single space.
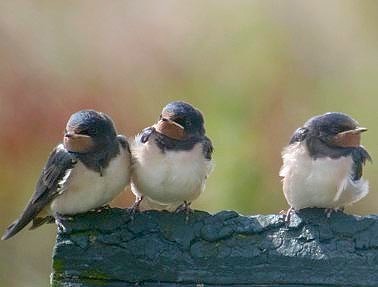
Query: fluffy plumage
pixel 85 172
pixel 322 182
pixel 84 189
pixel 170 168
pixel 322 166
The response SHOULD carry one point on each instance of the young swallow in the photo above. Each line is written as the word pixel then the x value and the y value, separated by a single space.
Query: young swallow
pixel 322 166
pixel 171 160
pixel 86 171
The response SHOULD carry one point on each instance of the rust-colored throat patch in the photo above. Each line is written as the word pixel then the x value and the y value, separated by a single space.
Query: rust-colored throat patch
pixel 351 138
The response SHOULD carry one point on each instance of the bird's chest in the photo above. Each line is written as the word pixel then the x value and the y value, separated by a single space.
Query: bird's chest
pixel 170 175
pixel 86 189
pixel 314 183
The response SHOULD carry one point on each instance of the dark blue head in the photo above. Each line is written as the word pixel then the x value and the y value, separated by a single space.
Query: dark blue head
pixel 182 117
pixel 331 124
pixel 89 131
pixel 330 135
pixel 335 129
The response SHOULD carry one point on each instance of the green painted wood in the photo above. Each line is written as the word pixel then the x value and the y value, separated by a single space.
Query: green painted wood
pixel 163 249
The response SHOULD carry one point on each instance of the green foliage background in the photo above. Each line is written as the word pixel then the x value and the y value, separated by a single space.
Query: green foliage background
pixel 257 70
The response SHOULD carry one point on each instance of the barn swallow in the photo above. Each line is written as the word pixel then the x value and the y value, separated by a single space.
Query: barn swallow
pixel 322 165
pixel 85 172
pixel 171 160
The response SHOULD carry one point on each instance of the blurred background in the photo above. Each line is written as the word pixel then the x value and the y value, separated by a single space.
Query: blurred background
pixel 257 70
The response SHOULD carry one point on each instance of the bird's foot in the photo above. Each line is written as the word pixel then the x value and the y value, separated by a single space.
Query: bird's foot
pixel 132 210
pixel 59 221
pixel 328 211
pixel 102 208
pixel 286 215
pixel 185 207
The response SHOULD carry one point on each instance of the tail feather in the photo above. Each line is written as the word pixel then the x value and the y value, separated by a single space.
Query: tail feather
pixel 30 212
pixel 14 228
pixel 49 185
pixel 38 221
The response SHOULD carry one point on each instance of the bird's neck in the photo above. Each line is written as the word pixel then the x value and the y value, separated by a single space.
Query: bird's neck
pixel 166 143
pixel 99 159
pixel 319 149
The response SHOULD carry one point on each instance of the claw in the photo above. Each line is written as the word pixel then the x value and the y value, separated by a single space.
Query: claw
pixel 287 214
pixel 102 208
pixel 59 221
pixel 135 207
pixel 185 207
pixel 328 211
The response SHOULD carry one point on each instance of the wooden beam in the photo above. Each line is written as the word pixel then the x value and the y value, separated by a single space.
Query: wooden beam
pixel 110 249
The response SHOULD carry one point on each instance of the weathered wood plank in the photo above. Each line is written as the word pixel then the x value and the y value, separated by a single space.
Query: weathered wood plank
pixel 109 249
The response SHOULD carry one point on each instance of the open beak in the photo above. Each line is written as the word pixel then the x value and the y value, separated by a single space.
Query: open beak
pixel 351 138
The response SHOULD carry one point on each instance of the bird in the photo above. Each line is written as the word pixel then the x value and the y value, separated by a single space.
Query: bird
pixel 84 172
pixel 322 165
pixel 171 160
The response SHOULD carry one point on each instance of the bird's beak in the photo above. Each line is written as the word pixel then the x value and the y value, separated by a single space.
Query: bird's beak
pixel 170 129
pixel 69 135
pixel 73 135
pixel 360 130
pixel 351 138
pixel 169 121
pixel 77 143
pixel 176 124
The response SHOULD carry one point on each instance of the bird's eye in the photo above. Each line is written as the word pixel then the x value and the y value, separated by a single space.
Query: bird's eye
pixel 335 130
pixel 188 123
pixel 83 132
pixel 89 131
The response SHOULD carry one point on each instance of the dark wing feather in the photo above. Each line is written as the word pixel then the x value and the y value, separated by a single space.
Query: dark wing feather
pixel 123 141
pixel 144 136
pixel 48 187
pixel 299 135
pixel 360 156
pixel 207 148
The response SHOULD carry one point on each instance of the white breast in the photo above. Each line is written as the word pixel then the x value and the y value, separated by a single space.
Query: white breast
pixel 168 179
pixel 323 183
pixel 85 189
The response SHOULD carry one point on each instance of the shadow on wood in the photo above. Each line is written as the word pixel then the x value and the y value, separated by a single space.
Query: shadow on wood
pixel 162 249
